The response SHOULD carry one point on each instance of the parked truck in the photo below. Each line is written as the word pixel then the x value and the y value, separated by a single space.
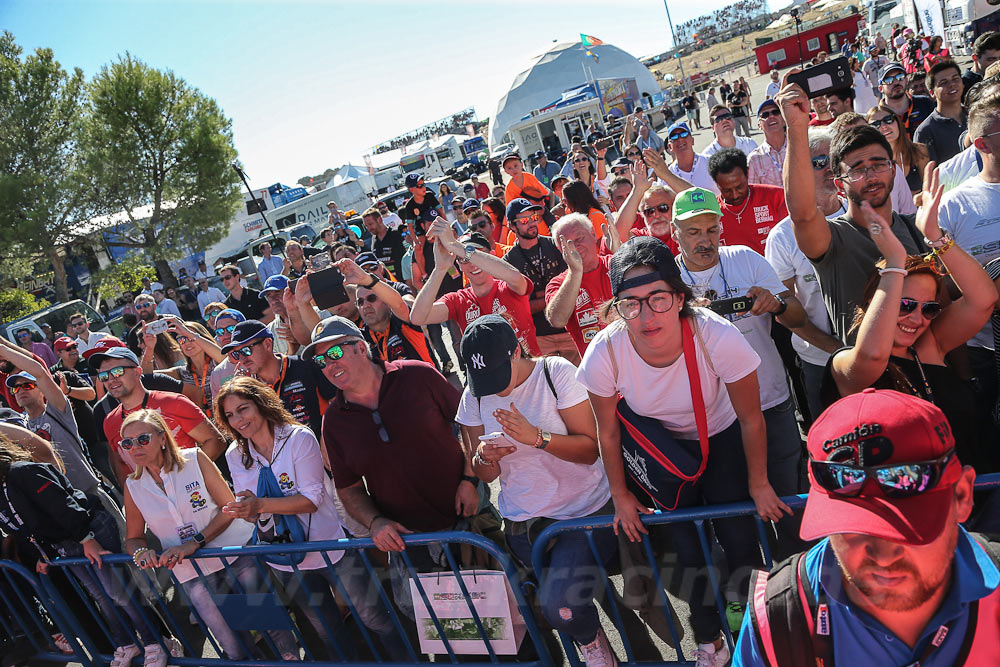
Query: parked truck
pixel 964 20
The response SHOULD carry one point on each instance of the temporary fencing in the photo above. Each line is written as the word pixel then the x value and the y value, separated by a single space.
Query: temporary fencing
pixel 38 607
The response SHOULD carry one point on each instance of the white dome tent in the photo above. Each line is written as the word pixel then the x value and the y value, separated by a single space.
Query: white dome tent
pixel 559 69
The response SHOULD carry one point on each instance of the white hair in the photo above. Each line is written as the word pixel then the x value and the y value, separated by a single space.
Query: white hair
pixel 572 220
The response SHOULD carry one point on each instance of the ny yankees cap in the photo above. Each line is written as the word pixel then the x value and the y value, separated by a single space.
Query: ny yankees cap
pixel 487 347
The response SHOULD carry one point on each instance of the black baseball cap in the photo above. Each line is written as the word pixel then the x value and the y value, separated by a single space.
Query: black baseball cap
pixel 413 179
pixel 539 154
pixel 487 347
pixel 518 206
pixel 475 238
pixel 509 156
pixel 244 332
pixel 469 204
pixel 641 251
pixel 366 259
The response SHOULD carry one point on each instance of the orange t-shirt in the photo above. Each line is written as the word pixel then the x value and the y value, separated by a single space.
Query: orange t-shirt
pixel 532 189
pixel 597 218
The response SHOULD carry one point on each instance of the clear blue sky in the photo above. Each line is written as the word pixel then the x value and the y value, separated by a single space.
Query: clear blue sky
pixel 311 84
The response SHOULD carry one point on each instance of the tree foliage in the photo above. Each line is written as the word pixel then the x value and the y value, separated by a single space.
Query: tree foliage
pixel 151 140
pixel 124 276
pixel 15 303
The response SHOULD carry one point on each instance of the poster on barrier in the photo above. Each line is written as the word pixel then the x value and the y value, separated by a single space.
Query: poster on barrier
pixel 493 601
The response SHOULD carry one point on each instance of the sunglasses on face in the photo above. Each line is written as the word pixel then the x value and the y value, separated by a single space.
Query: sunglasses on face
pixel 140 440
pixel 24 334
pixel 721 117
pixel 893 78
pixel 245 351
pixel 115 372
pixel 212 313
pixel 884 120
pixel 821 162
pixel 659 208
pixel 224 330
pixel 229 277
pixel 371 298
pixel 479 224
pixel 929 309
pixel 76 324
pixel 631 154
pixel 145 305
pixel 767 114
pixel 683 134
pixel 335 352
pixel 17 388
pixel 581 160
pixel 71 348
pixel 620 171
pixel 534 217
pixel 183 340
pixel 897 480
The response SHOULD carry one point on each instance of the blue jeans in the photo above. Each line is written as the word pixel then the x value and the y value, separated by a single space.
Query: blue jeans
pixel 812 378
pixel 201 592
pixel 571 580
pixel 319 607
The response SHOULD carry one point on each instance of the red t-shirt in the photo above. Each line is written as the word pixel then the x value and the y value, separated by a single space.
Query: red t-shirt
pixel 9 397
pixel 595 289
pixel 180 413
pixel 465 307
pixel 816 122
pixel 482 191
pixel 749 223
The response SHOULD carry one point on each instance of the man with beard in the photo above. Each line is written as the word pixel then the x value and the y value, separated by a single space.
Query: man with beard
pixel 911 109
pixel 145 305
pixel 538 258
pixel 765 161
pixel 841 250
pixel 897 579
pixel 748 211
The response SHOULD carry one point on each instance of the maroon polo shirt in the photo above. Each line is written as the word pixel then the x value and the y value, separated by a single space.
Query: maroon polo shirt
pixel 413 477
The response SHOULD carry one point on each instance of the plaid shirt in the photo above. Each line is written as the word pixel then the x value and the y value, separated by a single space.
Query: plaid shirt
pixel 766 164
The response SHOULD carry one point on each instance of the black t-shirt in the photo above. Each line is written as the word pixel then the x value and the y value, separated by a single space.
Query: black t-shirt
pixel 737 104
pixel 725 90
pixel 302 386
pixel 689 102
pixel 390 250
pixel 250 304
pixel 420 214
pixel 541 264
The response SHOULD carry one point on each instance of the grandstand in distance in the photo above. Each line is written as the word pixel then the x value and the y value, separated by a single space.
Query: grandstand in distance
pixel 706 28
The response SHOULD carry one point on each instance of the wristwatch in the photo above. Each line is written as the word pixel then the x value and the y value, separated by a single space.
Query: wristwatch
pixel 200 539
pixel 546 439
pixel 470 250
pixel 474 481
pixel 782 306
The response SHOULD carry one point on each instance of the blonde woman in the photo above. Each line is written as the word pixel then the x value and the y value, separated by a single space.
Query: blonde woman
pixel 178 494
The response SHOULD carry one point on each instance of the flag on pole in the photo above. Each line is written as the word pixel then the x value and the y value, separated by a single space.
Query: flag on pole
pixel 589 40
pixel 593 55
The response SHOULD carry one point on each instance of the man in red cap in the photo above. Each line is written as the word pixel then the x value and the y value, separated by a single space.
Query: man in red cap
pixel 897 581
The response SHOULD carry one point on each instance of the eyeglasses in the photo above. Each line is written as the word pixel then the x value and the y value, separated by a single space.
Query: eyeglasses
pixel 383 434
pixel 884 120
pixel 661 208
pixel 115 372
pixel 17 388
pixel 897 480
pixel 633 154
pixel 683 134
pixel 24 334
pixel 371 298
pixel 821 162
pixel 140 440
pixel 71 348
pixel 479 224
pixel 619 171
pixel 533 217
pixel 767 114
pixel 721 117
pixel 212 313
pixel 894 78
pixel 145 305
pixel 244 351
pixel 335 352
pixel 929 309
pixel 861 173
pixel 77 324
pixel 224 330
pixel 421 184
pixel 580 160
pixel 658 302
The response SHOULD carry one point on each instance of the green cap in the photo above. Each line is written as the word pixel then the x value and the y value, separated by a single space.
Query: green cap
pixel 695 201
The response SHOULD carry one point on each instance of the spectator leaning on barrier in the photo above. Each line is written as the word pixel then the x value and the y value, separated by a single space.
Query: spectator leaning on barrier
pixel 897 580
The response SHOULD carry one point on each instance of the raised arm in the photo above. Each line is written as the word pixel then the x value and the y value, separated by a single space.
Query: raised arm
pixel 355 275
pixel 498 268
pixel 563 303
pixel 426 308
pixel 626 217
pixel 25 362
pixel 659 165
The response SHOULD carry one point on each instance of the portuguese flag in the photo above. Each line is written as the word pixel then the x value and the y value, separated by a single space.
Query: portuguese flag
pixel 589 40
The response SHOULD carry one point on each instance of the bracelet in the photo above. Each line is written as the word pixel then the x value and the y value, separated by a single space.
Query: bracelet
pixel 538 438
pixel 942 241
pixel 373 283
pixel 892 269
pixel 372 522
pixel 138 552
pixel 944 247
pixel 471 479
pixel 89 537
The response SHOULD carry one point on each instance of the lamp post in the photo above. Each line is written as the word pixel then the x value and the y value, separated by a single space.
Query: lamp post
pixel 798 37
pixel 673 37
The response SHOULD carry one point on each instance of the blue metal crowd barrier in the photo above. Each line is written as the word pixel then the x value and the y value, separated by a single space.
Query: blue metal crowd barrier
pixel 34 608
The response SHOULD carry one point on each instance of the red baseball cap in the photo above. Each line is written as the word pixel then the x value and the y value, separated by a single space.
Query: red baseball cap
pixel 873 428
pixel 103 345
pixel 63 342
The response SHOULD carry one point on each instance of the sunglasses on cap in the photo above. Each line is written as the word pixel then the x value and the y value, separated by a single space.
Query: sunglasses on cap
pixel 335 352
pixel 821 162
pixel 245 351
pixel 115 372
pixel 371 298
pixel 224 330
pixel 897 480
pixel 894 78
pixel 17 388
pixel 929 309
pixel 140 440
pixel 767 114
pixel 680 134
pixel 885 120
pixel 661 208
pixel 721 117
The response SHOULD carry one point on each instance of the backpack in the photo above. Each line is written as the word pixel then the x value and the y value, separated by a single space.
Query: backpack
pixel 777 607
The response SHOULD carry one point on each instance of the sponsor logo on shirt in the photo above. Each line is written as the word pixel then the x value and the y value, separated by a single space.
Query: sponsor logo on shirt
pixel 285 483
pixel 197 502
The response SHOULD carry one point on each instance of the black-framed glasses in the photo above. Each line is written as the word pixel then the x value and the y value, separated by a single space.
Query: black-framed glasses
pixel 884 120
pixel 115 372
pixel 229 277
pixel 767 114
pixel 140 440
pixel 661 208
pixel 929 309
pixel 620 171
pixel 184 339
pixel 71 348
pixel 632 154
pixel 897 480
pixel 658 302
pixel 683 134
pixel 861 173
pixel 17 388
pixel 821 162
pixel 383 434
pixel 78 323
pixel 371 298
pixel 335 352
pixel 479 224
pixel 224 330
pixel 245 351
pixel 721 117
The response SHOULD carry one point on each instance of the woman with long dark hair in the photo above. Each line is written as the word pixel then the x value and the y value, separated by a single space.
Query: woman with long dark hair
pixel 578 198
pixel 910 156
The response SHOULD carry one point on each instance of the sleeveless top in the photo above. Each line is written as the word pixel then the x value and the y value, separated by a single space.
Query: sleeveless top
pixel 183 508
pixel 914 179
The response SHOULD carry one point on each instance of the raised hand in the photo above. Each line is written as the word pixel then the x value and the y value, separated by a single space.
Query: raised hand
pixel 930 200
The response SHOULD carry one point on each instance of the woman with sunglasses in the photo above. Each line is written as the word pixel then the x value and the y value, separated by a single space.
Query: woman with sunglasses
pixel 910 156
pixel 904 331
pixel 596 178
pixel 640 357
pixel 266 436
pixel 203 354
pixel 178 495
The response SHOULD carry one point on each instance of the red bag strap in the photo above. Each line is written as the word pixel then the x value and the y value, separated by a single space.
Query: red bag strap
pixel 697 398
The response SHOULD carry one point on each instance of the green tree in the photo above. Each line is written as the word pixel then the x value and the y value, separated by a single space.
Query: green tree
pixel 153 142
pixel 43 194
pixel 15 303
pixel 124 276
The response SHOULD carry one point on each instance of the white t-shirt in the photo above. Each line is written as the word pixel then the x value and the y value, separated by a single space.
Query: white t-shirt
pixel 698 176
pixel 739 269
pixel 534 483
pixel 773 89
pixel 664 393
pixel 971 212
pixel 392 221
pixel 788 261
pixel 745 144
pixel 959 168
pixel 84 345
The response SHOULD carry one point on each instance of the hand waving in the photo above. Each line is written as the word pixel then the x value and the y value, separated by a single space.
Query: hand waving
pixel 930 199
